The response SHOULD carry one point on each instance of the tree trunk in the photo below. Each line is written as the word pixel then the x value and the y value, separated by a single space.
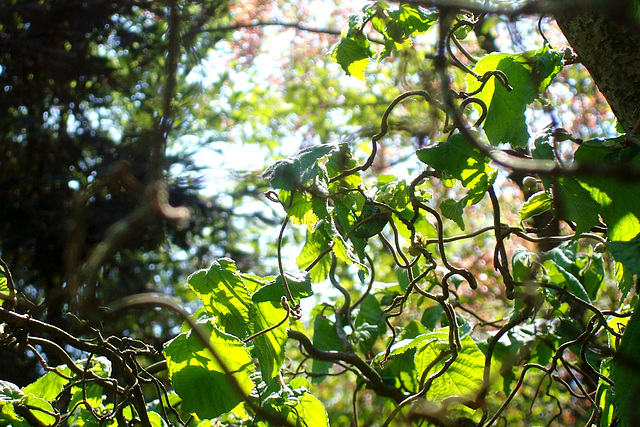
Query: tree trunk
pixel 607 41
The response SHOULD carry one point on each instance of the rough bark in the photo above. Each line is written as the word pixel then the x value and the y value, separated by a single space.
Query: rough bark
pixel 607 41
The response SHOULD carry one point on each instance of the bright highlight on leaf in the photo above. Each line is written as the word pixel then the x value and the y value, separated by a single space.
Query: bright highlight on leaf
pixel 190 362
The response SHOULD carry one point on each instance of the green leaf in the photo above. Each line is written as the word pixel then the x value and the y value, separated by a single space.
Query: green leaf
pixel 50 385
pixel 624 373
pixel 535 205
pixel 414 20
pixel 373 226
pixel 604 395
pixel 301 171
pixel 299 285
pixel 452 210
pixel 529 341
pixel 325 337
pixel 558 276
pixel 576 204
pixel 43 415
pixel 591 272
pixel 405 345
pixel 10 393
pixel 464 376
pixel 522 263
pixel 431 316
pixel 4 285
pixel 529 74
pixel 619 212
pixel 340 160
pixel 297 406
pixel 269 346
pixel 224 295
pixel 459 158
pixel 353 52
pixel 305 209
pixel 190 364
pixel 317 242
pixel 627 253
pixel 369 323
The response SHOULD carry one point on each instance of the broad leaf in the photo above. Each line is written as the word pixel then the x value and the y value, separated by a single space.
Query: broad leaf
pixel 535 205
pixel 301 171
pixel 627 253
pixel 4 285
pixel 297 406
pixel 529 74
pixel 369 323
pixel 50 385
pixel 269 346
pixel 453 210
pixel 224 295
pixel 604 395
pixel 463 377
pixel 190 363
pixel 353 52
pixel 460 159
pixel 576 204
pixel 305 209
pixel 325 337
pixel 624 373
pixel 620 212
pixel 557 275
pixel 299 284
pixel 522 263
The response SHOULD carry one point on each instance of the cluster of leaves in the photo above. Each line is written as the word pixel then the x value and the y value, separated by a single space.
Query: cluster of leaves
pixel 414 335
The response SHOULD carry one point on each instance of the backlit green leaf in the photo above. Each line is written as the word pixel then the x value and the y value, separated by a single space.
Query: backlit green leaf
pixel 269 346
pixel 50 385
pixel 529 74
pixel 624 373
pixel 463 378
pixel 224 295
pixel 297 406
pixel 190 363
pixel 535 205
pixel 353 52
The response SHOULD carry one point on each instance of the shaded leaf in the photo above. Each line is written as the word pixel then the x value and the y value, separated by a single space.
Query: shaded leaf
pixel 300 171
pixel 459 158
pixel 576 204
pixel 325 337
pixel 627 253
pixel 452 210
pixel 299 285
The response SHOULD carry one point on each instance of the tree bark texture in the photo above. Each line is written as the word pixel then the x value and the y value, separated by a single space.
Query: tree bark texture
pixel 607 41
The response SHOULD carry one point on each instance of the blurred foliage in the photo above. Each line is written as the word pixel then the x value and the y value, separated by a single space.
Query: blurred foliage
pixel 405 257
